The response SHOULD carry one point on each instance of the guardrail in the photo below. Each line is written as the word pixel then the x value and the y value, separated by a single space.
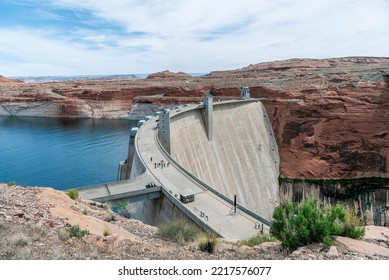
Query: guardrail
pixel 119 196
pixel 201 183
pixel 110 184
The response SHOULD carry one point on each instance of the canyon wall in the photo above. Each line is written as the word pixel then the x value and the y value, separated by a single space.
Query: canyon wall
pixel 332 133
pixel 330 117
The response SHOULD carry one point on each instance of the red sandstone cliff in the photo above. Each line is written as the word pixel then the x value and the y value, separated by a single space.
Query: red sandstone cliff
pixel 330 117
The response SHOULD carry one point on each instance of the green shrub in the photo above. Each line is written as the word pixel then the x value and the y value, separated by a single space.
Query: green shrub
pixel 75 231
pixel 207 243
pixel 310 222
pixel 258 239
pixel 181 231
pixel 73 194
pixel 10 184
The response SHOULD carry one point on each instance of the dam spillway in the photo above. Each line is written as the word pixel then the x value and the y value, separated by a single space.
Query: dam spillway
pixel 242 157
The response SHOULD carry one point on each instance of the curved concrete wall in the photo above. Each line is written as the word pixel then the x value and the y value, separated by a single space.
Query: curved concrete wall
pixel 137 167
pixel 242 159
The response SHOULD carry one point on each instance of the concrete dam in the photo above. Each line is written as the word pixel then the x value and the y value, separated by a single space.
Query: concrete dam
pixel 242 157
pixel 222 154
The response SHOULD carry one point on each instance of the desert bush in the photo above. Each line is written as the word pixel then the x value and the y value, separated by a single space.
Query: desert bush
pixel 73 194
pixel 258 239
pixel 353 226
pixel 19 240
pixel 106 231
pixel 63 235
pixel 207 243
pixel 75 231
pixel 181 231
pixel 36 233
pixel 307 223
pixel 109 214
pixel 109 217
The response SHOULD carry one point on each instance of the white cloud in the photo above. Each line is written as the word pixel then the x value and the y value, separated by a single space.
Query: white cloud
pixel 199 35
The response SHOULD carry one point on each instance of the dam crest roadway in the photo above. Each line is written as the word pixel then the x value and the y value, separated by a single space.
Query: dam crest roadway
pixel 218 153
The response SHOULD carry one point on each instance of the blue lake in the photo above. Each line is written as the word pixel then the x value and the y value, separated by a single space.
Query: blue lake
pixel 61 152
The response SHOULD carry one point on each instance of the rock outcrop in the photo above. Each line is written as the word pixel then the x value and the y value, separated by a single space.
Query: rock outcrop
pixel 168 75
pixel 330 117
pixel 8 81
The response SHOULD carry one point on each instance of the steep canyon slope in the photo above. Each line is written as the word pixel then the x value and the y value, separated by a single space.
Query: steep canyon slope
pixel 330 117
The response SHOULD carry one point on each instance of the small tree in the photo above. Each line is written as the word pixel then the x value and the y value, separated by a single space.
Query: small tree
pixel 310 222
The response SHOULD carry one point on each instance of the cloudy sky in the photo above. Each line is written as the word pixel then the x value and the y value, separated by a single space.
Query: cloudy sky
pixel 73 37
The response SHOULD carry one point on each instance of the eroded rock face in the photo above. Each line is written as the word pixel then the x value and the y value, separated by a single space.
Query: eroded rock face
pixel 337 133
pixel 330 117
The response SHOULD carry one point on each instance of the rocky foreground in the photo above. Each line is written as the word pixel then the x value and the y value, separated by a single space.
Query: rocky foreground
pixel 33 223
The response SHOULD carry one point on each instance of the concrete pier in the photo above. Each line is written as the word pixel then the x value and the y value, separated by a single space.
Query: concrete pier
pixel 208 117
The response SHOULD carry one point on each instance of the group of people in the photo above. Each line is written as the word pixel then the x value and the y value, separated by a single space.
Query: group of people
pixel 160 164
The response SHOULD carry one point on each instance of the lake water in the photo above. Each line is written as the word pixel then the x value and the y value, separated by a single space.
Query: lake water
pixel 61 152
